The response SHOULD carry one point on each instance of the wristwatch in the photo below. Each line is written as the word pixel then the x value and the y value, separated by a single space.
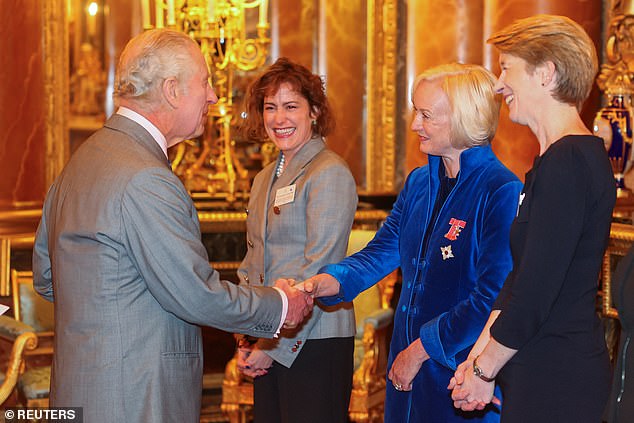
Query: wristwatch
pixel 479 373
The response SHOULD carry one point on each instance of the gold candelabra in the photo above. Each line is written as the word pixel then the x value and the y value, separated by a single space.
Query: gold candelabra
pixel 212 167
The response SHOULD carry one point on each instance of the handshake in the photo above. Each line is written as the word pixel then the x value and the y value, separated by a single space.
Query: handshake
pixel 252 361
pixel 301 295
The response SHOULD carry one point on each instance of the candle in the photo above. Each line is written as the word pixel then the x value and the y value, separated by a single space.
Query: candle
pixel 159 13
pixel 264 12
pixel 170 13
pixel 145 10
pixel 211 17
pixel 91 19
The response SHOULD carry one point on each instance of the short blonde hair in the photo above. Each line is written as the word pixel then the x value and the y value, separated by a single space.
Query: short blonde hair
pixel 560 40
pixel 475 107
pixel 150 58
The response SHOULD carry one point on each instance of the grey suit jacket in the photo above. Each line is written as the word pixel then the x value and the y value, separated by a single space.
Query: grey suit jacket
pixel 118 250
pixel 297 238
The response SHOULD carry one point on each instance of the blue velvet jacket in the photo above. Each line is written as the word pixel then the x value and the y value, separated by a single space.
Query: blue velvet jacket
pixel 447 291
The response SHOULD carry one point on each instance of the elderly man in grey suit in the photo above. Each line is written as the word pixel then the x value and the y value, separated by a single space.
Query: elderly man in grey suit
pixel 118 250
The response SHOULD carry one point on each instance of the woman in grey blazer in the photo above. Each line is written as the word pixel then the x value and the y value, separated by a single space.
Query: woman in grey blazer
pixel 300 214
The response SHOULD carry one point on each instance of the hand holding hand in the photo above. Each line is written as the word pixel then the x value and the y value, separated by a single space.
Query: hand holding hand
pixel 320 285
pixel 406 366
pixel 300 304
pixel 470 392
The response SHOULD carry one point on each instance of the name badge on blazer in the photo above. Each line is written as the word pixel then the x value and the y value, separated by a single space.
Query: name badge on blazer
pixel 285 195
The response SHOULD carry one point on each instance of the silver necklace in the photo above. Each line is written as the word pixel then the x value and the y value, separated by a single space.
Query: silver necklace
pixel 280 166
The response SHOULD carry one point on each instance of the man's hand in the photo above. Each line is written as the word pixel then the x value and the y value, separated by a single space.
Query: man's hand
pixel 300 304
pixel 320 285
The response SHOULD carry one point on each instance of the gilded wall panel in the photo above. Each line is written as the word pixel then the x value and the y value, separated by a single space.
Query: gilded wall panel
pixel 23 117
pixel 384 68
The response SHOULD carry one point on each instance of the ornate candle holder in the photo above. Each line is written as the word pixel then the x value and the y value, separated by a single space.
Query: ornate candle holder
pixel 233 38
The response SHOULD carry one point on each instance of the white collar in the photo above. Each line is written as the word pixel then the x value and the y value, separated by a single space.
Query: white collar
pixel 149 126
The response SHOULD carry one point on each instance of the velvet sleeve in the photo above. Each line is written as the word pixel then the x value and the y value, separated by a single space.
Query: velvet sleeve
pixel 364 269
pixel 458 328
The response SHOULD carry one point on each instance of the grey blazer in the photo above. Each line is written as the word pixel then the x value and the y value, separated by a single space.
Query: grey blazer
pixel 295 239
pixel 118 250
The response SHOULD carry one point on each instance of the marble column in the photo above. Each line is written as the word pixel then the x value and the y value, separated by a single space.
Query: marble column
pixel 23 117
pixel 438 31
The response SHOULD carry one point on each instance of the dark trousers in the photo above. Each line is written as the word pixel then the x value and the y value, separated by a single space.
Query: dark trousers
pixel 315 389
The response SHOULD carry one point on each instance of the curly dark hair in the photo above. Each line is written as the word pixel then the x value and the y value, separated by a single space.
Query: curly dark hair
pixel 303 81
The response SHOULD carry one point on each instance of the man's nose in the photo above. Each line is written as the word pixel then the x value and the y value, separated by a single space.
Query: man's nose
pixel 212 98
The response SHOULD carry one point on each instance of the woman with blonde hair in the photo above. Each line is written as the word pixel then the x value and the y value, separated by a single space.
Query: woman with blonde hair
pixel 448 232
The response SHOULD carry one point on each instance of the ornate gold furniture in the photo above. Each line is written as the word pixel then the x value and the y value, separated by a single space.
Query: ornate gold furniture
pixel 23 339
pixel 7 244
pixel 374 322
pixel 621 240
pixel 30 308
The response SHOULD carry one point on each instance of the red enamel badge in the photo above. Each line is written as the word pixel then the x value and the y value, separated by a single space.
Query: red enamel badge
pixel 456 227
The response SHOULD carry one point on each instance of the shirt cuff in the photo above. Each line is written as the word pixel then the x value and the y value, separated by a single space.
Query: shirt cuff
pixel 284 310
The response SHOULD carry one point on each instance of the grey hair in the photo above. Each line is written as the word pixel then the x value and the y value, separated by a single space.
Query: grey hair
pixel 149 59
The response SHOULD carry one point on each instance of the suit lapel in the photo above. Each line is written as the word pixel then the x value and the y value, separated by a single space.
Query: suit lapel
pixel 294 170
pixel 138 134
pixel 295 167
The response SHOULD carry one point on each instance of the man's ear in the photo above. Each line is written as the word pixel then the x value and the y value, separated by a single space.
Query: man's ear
pixel 169 89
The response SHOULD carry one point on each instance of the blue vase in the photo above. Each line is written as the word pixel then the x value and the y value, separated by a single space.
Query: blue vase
pixel 613 123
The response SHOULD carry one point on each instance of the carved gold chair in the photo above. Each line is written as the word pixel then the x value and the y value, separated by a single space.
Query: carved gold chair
pixel 30 308
pixel 374 322
pixel 23 339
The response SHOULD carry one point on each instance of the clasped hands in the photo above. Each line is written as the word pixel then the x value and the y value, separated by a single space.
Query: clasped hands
pixel 300 296
pixel 252 361
pixel 470 392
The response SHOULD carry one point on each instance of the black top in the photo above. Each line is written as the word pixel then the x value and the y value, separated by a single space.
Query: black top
pixel 561 372
pixel 446 186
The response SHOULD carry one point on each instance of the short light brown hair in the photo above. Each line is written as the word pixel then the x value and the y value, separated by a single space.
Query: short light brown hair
pixel 475 107
pixel 303 82
pixel 560 40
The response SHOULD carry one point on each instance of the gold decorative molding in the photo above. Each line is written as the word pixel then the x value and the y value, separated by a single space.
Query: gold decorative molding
pixel 229 221
pixel 7 243
pixel 56 68
pixel 621 240
pixel 381 92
